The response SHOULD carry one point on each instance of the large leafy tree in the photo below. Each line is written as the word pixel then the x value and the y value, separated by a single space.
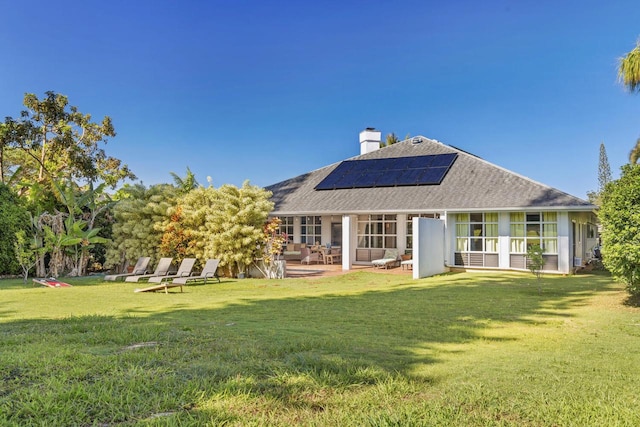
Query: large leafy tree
pixel 62 142
pixel 620 218
pixel 53 154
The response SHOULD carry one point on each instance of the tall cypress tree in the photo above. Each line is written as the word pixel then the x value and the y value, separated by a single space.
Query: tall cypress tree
pixel 604 171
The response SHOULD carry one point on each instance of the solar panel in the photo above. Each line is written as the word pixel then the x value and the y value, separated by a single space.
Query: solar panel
pixel 388 179
pixel 444 160
pixel 389 172
pixel 432 176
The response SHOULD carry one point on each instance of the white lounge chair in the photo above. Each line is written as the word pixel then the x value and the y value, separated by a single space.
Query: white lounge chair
pixel 138 269
pixel 162 269
pixel 389 259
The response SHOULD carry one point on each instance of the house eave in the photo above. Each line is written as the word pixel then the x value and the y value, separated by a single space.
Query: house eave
pixel 577 208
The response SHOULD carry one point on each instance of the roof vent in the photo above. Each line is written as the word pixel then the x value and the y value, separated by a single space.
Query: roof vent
pixel 416 140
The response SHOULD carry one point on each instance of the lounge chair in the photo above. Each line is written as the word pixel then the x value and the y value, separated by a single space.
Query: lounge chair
pixel 138 269
pixel 209 271
pixel 162 269
pixel 389 259
pixel 184 270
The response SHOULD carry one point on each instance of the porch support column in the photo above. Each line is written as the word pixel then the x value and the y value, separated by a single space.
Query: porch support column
pixel 347 256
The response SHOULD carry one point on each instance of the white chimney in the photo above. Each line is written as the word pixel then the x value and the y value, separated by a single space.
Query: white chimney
pixel 370 140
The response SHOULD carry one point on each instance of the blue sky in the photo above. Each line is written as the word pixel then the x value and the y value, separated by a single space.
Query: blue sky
pixel 267 90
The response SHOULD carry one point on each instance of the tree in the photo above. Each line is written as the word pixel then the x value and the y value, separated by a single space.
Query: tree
pixel 620 218
pixel 140 220
pixel 227 223
pixel 604 170
pixel 634 155
pixel 629 69
pixel 13 218
pixel 535 262
pixel 176 238
pixel 185 184
pixel 26 250
pixel 63 142
pixel 390 140
pixel 271 247
pixel 604 176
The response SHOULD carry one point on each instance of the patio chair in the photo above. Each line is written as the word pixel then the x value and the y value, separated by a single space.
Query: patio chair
pixel 139 268
pixel 184 270
pixel 162 269
pixel 209 271
pixel 307 255
pixel 389 259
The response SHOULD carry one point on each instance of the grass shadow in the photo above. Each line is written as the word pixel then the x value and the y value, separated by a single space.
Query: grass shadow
pixel 289 349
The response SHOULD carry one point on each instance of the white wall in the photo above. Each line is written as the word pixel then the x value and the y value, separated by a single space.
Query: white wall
pixel 565 261
pixel 348 241
pixel 428 247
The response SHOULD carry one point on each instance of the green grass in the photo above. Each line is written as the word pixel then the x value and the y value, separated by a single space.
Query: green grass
pixel 359 349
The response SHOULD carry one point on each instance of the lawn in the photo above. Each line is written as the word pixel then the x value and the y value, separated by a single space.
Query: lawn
pixel 359 349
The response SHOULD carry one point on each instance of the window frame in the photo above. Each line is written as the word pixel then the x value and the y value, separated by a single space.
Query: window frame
pixel 377 231
pixel 477 232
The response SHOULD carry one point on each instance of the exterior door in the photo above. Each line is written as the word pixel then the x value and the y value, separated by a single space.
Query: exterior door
pixel 336 234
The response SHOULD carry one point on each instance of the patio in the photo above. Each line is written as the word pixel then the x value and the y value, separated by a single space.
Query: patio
pixel 295 269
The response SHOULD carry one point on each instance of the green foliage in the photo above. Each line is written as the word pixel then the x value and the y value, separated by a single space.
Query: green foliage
pixel 13 218
pixel 271 246
pixel 44 155
pixel 604 170
pixel 535 262
pixel 64 142
pixel 390 140
pixel 227 223
pixel 620 218
pixel 185 184
pixel 629 69
pixel 25 250
pixel 634 154
pixel 140 218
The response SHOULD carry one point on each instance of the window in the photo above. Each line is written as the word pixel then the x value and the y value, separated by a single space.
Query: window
pixel 410 217
pixel 286 227
pixel 377 231
pixel 311 231
pixel 534 228
pixel 477 232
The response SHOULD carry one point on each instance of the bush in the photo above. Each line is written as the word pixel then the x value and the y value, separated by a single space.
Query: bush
pixel 13 217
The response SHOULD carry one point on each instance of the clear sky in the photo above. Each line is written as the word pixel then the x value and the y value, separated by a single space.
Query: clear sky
pixel 267 90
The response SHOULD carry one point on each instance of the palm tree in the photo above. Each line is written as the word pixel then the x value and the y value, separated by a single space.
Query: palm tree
pixel 185 184
pixel 634 155
pixel 629 69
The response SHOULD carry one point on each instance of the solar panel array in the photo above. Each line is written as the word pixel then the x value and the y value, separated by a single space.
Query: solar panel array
pixel 389 172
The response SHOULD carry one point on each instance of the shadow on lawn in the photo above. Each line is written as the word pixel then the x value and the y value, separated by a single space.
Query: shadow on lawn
pixel 336 341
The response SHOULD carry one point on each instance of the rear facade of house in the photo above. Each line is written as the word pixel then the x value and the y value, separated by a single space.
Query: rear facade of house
pixel 489 216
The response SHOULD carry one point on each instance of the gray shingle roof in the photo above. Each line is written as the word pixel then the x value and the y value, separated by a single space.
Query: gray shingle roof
pixel 470 184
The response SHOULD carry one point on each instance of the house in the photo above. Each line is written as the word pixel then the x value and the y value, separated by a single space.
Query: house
pixel 446 207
